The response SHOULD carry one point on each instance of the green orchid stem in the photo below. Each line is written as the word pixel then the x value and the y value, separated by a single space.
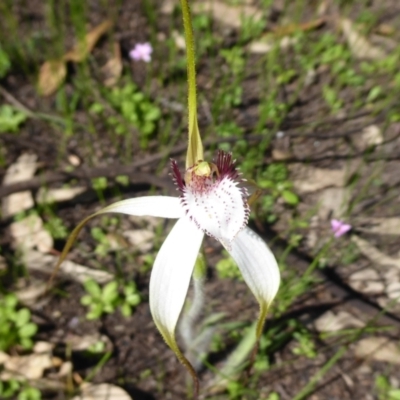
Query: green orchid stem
pixel 195 146
pixel 171 342
pixel 259 330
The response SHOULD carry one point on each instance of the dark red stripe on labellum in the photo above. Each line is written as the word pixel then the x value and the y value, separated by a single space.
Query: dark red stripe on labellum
pixel 176 176
pixel 226 166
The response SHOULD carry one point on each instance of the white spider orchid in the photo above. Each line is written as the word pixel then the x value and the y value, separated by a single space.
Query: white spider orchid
pixel 211 203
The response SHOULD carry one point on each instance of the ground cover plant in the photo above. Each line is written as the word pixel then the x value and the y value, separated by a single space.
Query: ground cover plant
pixel 93 106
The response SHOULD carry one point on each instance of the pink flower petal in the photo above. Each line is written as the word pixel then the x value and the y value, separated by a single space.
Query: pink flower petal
pixel 141 52
pixel 339 228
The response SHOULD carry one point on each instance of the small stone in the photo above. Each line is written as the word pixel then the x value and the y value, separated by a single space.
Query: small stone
pixel 366 281
pixel 379 349
pixel 331 322
pixel 393 290
pixel 74 160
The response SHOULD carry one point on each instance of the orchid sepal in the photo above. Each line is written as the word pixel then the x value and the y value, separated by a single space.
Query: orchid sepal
pixel 170 279
pixel 155 206
pixel 259 270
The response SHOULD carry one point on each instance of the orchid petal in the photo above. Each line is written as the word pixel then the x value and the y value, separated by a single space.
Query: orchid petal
pixel 259 269
pixel 170 278
pixel 155 206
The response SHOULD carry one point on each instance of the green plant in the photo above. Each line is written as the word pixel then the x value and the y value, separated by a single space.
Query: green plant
pixel 232 97
pixel 133 108
pixel 130 299
pixel 147 263
pixel 5 63
pixel 107 299
pixel 56 227
pixel 123 180
pixel 273 396
pixel 97 347
pixel 374 94
pixel 234 57
pixel 103 246
pixel 10 118
pixel 385 389
pixel 10 388
pixel 100 185
pixel 227 268
pixel 236 390
pixel 229 128
pixel 271 111
pixel 29 393
pixel 332 99
pixel 203 23
pixel 262 362
pixel 275 179
pixel 251 28
pixel 100 300
pixel 305 345
pixel 15 326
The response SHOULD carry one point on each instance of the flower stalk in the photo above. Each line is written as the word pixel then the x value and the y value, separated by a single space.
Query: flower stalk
pixel 195 146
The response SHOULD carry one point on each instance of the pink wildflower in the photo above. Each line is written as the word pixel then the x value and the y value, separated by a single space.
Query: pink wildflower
pixel 141 52
pixel 339 227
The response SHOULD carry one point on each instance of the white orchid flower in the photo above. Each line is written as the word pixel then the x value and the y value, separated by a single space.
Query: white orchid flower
pixel 212 203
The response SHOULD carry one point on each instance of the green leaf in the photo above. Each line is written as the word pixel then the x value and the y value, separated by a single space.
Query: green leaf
pixel 5 63
pixel 290 197
pixel 138 97
pixel 265 184
pixel 120 130
pixel 26 343
pixel 10 118
pixel 152 114
pixel 28 330
pixel 99 183
pixel 30 393
pixel 110 292
pixel 148 128
pixel 128 109
pixel 133 299
pixel 9 388
pixel 374 94
pixel 95 311
pixel 22 317
pixel 109 308
pixel 122 180
pixel 96 108
pixel 126 310
pixel 394 394
pixel 86 300
pixel 97 233
pixel 130 288
pixel 92 288
pixel 10 301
